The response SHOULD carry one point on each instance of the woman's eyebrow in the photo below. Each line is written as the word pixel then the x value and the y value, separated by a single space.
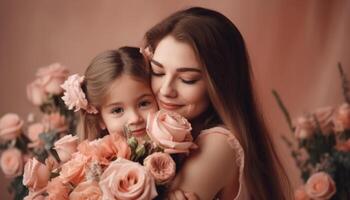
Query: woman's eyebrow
pixel 181 69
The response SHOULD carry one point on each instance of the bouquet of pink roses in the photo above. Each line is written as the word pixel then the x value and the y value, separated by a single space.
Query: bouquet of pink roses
pixel 20 142
pixel 115 166
pixel 323 149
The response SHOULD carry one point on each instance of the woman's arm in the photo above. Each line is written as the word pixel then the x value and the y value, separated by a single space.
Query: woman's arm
pixel 209 169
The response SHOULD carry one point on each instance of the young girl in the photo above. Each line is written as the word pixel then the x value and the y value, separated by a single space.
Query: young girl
pixel 200 69
pixel 114 94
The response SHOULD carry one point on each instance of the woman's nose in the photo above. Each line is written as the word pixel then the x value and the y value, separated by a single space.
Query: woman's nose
pixel 167 89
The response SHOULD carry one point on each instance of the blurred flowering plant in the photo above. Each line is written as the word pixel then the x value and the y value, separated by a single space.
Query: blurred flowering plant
pixel 20 141
pixel 323 149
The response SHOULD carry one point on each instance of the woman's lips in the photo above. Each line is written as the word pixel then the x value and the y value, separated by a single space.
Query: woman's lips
pixel 169 106
pixel 139 132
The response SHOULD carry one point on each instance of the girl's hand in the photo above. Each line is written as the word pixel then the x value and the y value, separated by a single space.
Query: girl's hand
pixel 181 195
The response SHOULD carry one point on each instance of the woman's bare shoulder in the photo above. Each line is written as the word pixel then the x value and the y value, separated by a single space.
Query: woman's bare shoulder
pixel 210 168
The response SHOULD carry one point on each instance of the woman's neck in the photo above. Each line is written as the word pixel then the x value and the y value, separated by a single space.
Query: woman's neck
pixel 207 119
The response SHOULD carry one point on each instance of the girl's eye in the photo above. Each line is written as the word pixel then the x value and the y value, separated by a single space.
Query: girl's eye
pixel 144 103
pixel 117 110
pixel 190 82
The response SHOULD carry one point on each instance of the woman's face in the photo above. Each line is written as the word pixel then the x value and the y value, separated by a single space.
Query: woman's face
pixel 177 79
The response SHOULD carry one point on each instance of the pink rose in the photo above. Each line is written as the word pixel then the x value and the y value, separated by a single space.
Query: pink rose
pixel 52 77
pixel 36 175
pixel 86 190
pixel 73 171
pixel 57 190
pixel 34 130
pixel 105 149
pixel 11 162
pixel 34 196
pixel 320 186
pixel 124 179
pixel 36 93
pixel 300 194
pixel 10 126
pixel 304 127
pixel 161 166
pixel 55 121
pixel 51 163
pixel 170 131
pixel 342 118
pixel 74 97
pixel 66 146
pixel 343 146
pixel 324 117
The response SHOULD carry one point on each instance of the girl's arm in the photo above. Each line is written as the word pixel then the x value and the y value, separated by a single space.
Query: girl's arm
pixel 209 169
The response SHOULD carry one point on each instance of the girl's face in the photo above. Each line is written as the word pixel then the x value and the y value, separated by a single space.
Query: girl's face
pixel 177 79
pixel 128 103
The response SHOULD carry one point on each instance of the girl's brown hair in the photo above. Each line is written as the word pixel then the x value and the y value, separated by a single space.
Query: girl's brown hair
pixel 104 69
pixel 221 50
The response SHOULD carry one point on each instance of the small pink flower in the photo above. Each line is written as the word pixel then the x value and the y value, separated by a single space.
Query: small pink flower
pixel 343 146
pixel 73 171
pixel 34 196
pixel 74 97
pixel 36 175
pixel 55 121
pixel 342 118
pixel 57 190
pixel 10 126
pixel 36 93
pixel 320 186
pixel 34 130
pixel 11 162
pixel 146 52
pixel 300 194
pixel 52 77
pixel 304 127
pixel 66 146
pixel 324 117
pixel 124 179
pixel 86 190
pixel 161 166
pixel 105 149
pixel 170 131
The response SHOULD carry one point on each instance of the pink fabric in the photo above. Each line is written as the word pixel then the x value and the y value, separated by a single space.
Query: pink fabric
pixel 236 146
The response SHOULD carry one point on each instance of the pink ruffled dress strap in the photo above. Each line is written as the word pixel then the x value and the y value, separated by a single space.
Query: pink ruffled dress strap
pixel 236 146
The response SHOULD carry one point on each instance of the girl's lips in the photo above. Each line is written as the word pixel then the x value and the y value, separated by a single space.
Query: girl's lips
pixel 168 106
pixel 139 132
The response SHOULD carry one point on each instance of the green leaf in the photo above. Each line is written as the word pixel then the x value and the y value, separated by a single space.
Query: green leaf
pixel 345 84
pixel 41 154
pixel 17 187
pixel 284 110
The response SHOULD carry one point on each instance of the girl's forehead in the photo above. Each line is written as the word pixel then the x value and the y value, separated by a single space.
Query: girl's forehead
pixel 126 89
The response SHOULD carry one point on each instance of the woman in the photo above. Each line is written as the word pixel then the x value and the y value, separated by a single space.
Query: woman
pixel 200 69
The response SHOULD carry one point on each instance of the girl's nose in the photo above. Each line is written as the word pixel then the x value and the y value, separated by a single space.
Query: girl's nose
pixel 135 118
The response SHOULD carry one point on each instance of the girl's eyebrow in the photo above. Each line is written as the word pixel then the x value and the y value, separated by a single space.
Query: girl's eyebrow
pixel 145 95
pixel 181 69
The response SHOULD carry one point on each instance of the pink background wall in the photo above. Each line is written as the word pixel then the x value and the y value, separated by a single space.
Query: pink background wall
pixel 294 47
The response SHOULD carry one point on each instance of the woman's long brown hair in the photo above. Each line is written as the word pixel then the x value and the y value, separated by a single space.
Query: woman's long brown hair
pixel 221 50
